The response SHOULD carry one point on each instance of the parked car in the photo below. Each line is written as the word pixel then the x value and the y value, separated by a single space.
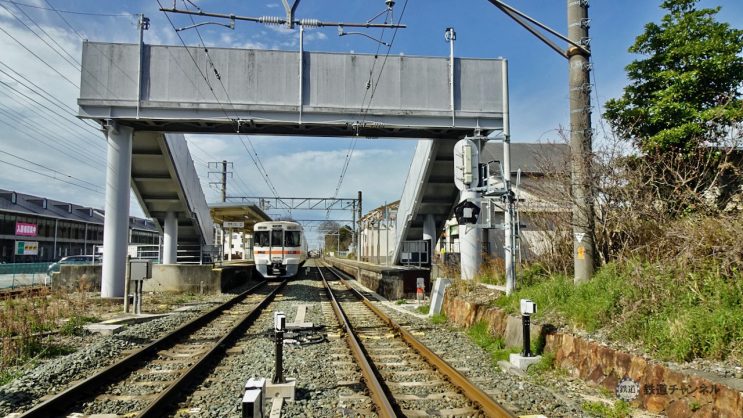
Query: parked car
pixel 73 259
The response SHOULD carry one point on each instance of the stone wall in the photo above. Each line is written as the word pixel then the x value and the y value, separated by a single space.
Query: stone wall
pixel 661 389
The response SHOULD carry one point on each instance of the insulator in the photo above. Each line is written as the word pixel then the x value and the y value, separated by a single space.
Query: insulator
pixel 270 20
pixel 310 23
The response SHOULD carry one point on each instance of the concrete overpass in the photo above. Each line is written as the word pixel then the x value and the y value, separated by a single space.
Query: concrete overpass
pixel 132 88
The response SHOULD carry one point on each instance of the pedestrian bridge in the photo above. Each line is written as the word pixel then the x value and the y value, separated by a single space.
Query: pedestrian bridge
pixel 133 89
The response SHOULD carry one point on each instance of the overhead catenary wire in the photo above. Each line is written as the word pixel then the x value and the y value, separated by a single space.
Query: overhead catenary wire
pixel 256 158
pixel 371 98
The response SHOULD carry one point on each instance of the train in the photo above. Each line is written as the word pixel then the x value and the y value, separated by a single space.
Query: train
pixel 279 248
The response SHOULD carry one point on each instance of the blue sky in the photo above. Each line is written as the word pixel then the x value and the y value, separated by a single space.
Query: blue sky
pixel 299 166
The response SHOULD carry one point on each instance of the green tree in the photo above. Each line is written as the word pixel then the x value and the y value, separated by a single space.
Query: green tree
pixel 686 90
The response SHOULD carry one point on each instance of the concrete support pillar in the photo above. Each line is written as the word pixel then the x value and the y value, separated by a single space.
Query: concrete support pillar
pixel 429 234
pixel 470 245
pixel 116 224
pixel 170 239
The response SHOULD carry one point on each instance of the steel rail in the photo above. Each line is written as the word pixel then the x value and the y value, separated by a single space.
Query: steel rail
pixel 378 394
pixel 171 393
pixel 56 404
pixel 469 389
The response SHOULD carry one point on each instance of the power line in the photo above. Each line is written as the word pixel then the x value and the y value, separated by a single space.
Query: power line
pixel 39 58
pixel 77 147
pixel 51 169
pixel 56 101
pixel 74 12
pixel 51 177
pixel 64 118
pixel 15 121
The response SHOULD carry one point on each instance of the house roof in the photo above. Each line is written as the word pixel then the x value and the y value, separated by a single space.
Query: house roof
pixel 531 158
pixel 26 204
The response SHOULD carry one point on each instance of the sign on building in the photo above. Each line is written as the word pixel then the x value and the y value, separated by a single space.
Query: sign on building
pixel 26 248
pixel 25 230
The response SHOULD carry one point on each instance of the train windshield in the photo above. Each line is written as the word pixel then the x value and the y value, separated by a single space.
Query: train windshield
pixel 277 238
pixel 261 239
pixel 292 238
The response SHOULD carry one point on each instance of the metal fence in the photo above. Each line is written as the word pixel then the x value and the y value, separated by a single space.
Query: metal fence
pixel 415 253
pixel 14 275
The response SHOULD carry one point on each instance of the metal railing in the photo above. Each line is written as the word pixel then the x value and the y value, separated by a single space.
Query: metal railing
pixel 14 275
pixel 415 253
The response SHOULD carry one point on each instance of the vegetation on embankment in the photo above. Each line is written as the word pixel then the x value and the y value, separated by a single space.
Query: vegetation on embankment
pixel 682 299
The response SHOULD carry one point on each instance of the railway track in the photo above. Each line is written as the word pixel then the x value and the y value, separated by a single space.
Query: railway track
pixel 404 378
pixel 148 381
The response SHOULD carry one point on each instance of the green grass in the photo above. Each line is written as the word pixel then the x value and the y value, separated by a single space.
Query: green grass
pixel 423 309
pixel 8 375
pixel 495 346
pixel 545 364
pixel 401 301
pixel 74 326
pixel 438 319
pixel 620 409
pixel 677 314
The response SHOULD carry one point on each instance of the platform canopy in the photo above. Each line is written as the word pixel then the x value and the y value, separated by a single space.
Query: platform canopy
pixel 288 92
pixel 248 214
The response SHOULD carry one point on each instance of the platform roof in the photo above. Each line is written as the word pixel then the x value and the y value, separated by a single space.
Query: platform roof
pixel 237 212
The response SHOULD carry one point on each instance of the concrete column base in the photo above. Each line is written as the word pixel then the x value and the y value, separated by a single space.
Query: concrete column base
pixel 521 362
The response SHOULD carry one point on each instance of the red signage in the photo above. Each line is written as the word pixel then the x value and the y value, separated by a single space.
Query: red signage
pixel 25 230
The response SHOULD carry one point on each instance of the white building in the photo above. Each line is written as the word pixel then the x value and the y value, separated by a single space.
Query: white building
pixel 378 234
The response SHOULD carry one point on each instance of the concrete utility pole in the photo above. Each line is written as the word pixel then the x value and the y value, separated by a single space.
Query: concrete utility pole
pixel 358 253
pixel 577 54
pixel 224 180
pixel 580 140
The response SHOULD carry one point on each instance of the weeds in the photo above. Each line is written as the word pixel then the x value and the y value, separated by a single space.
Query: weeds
pixel 423 309
pixel 74 325
pixel 545 364
pixel 495 346
pixel 620 409
pixel 438 319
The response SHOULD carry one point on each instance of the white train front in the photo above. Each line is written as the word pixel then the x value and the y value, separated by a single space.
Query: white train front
pixel 279 248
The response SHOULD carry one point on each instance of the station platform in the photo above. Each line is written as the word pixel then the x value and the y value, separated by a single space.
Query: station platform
pixel 391 282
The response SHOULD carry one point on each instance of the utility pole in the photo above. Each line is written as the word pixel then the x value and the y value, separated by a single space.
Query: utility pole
pixel 577 54
pixel 223 172
pixel 580 140
pixel 358 226
pixel 224 180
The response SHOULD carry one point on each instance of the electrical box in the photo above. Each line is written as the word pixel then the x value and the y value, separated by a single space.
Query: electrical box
pixel 140 269
pixel 528 307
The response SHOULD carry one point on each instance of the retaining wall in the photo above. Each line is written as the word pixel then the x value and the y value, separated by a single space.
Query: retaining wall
pixel 661 389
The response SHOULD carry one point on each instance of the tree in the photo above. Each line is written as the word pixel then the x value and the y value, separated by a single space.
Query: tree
pixel 336 235
pixel 687 90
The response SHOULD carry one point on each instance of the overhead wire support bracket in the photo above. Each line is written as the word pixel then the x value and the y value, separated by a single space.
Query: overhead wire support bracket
pixel 282 21
pixel 231 25
pixel 524 20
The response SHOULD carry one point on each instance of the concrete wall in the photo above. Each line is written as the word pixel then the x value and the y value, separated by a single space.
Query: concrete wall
pixel 78 278
pixel 178 278
pixel 392 282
